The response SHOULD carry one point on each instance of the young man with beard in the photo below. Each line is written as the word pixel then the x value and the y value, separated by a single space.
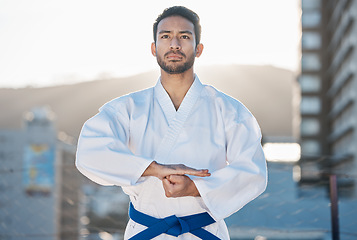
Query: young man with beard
pixel 187 155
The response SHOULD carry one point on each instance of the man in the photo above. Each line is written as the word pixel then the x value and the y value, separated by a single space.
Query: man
pixel 187 155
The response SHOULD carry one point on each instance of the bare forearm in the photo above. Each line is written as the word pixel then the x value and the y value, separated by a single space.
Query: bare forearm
pixel 152 170
pixel 163 170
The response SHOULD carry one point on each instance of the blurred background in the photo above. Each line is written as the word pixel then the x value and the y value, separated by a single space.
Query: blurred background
pixel 293 63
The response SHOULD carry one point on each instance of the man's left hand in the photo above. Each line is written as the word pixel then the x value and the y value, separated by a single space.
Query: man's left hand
pixel 179 186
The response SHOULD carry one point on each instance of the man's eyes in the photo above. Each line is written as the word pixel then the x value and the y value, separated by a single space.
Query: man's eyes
pixel 182 37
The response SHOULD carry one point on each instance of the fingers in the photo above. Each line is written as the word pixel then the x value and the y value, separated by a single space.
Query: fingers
pixel 166 181
pixel 167 187
pixel 173 178
pixel 181 169
pixel 199 173
pixel 174 185
pixel 179 186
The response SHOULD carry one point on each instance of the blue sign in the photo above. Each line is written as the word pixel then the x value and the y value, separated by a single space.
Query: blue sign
pixel 38 174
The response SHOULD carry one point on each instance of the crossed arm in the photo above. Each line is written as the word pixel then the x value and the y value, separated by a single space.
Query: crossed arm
pixel 174 179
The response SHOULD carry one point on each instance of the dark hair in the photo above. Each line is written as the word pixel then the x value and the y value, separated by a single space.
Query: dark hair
pixel 182 12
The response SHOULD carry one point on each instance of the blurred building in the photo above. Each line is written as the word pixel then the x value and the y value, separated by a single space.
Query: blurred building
pixel 104 212
pixel 38 182
pixel 44 196
pixel 328 83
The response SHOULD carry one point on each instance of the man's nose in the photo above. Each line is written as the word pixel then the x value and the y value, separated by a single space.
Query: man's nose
pixel 175 44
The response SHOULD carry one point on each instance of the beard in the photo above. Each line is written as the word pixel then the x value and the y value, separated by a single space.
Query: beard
pixel 176 67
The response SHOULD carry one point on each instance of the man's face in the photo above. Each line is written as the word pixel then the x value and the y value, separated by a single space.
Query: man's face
pixel 175 47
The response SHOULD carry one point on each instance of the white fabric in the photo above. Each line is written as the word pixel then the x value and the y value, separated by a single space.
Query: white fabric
pixel 210 130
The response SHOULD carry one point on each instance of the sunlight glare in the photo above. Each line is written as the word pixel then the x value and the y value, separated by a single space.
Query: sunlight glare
pixel 282 152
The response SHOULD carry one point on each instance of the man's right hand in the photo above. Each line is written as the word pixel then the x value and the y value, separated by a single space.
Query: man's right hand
pixel 162 170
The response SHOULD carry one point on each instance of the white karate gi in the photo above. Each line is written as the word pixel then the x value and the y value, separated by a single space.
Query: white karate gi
pixel 210 130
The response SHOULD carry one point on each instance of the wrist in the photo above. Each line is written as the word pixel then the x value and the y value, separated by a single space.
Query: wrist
pixel 193 190
pixel 153 170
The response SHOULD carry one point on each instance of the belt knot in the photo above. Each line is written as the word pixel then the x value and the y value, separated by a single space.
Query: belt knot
pixel 176 225
pixel 172 225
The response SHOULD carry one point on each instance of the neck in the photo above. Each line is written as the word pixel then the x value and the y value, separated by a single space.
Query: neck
pixel 177 85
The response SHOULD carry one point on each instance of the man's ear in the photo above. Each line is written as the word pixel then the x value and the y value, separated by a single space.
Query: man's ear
pixel 199 49
pixel 153 49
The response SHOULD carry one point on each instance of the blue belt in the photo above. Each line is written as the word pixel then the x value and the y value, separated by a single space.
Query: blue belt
pixel 172 225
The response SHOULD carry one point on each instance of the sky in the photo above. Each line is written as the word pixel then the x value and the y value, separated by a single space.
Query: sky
pixel 49 42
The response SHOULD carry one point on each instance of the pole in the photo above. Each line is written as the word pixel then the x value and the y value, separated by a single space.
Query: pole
pixel 334 208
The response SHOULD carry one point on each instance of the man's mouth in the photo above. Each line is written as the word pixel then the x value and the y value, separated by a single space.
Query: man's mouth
pixel 174 55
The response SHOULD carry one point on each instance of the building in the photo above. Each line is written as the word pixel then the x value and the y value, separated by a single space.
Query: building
pixel 38 181
pixel 328 81
pixel 44 196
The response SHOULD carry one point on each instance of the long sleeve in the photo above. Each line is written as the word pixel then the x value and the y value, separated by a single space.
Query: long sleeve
pixel 103 154
pixel 245 177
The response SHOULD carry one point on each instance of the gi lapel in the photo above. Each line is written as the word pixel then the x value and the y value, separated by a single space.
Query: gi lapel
pixel 176 120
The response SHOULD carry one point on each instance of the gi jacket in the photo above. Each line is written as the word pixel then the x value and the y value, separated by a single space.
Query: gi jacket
pixel 210 130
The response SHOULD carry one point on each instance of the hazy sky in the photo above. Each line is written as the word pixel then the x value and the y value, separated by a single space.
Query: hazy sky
pixel 49 42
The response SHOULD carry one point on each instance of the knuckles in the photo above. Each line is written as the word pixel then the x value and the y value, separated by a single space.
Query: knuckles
pixel 169 193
